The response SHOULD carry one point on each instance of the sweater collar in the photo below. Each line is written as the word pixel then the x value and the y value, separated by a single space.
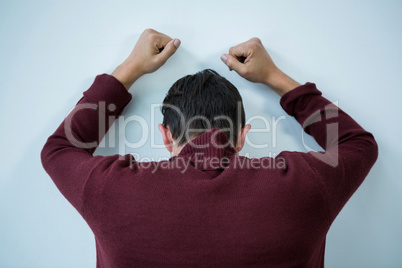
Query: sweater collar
pixel 210 150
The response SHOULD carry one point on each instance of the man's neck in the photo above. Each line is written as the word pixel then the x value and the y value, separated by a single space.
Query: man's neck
pixel 176 149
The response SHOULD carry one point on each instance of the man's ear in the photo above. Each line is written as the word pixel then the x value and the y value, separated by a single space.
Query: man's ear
pixel 241 138
pixel 166 136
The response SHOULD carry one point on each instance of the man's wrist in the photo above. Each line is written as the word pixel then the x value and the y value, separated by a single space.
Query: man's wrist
pixel 127 75
pixel 281 83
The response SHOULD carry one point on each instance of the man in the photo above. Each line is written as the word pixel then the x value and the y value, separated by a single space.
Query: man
pixel 208 206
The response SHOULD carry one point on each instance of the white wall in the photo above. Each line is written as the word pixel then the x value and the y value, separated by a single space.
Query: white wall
pixel 50 52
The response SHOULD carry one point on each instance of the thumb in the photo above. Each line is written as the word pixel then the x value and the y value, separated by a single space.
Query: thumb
pixel 232 62
pixel 169 50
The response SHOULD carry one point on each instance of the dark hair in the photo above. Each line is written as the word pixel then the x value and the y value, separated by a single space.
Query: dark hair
pixel 196 103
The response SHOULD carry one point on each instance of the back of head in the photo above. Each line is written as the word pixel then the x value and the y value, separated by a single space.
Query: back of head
pixel 196 103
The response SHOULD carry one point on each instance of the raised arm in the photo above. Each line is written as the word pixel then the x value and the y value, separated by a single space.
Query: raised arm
pixel 67 154
pixel 350 151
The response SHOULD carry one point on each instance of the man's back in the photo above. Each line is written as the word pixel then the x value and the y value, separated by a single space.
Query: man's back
pixel 175 214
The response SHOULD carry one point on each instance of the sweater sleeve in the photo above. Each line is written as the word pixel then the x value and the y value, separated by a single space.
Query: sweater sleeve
pixel 350 151
pixel 67 156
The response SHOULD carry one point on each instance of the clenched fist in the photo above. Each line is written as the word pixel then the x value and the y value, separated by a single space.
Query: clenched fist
pixel 151 51
pixel 252 62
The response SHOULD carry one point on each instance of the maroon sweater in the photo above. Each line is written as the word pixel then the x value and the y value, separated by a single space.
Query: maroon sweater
pixel 209 206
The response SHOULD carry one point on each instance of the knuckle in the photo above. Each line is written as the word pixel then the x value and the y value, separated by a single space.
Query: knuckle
pixel 255 39
pixel 152 36
pixel 149 30
pixel 150 33
pixel 254 45
pixel 244 72
pixel 231 50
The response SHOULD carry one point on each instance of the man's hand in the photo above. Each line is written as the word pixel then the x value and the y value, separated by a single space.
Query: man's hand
pixel 152 50
pixel 252 62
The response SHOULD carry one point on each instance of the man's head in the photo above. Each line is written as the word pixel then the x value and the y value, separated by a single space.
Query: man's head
pixel 199 102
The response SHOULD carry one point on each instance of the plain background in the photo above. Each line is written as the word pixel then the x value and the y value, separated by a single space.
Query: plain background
pixel 51 51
